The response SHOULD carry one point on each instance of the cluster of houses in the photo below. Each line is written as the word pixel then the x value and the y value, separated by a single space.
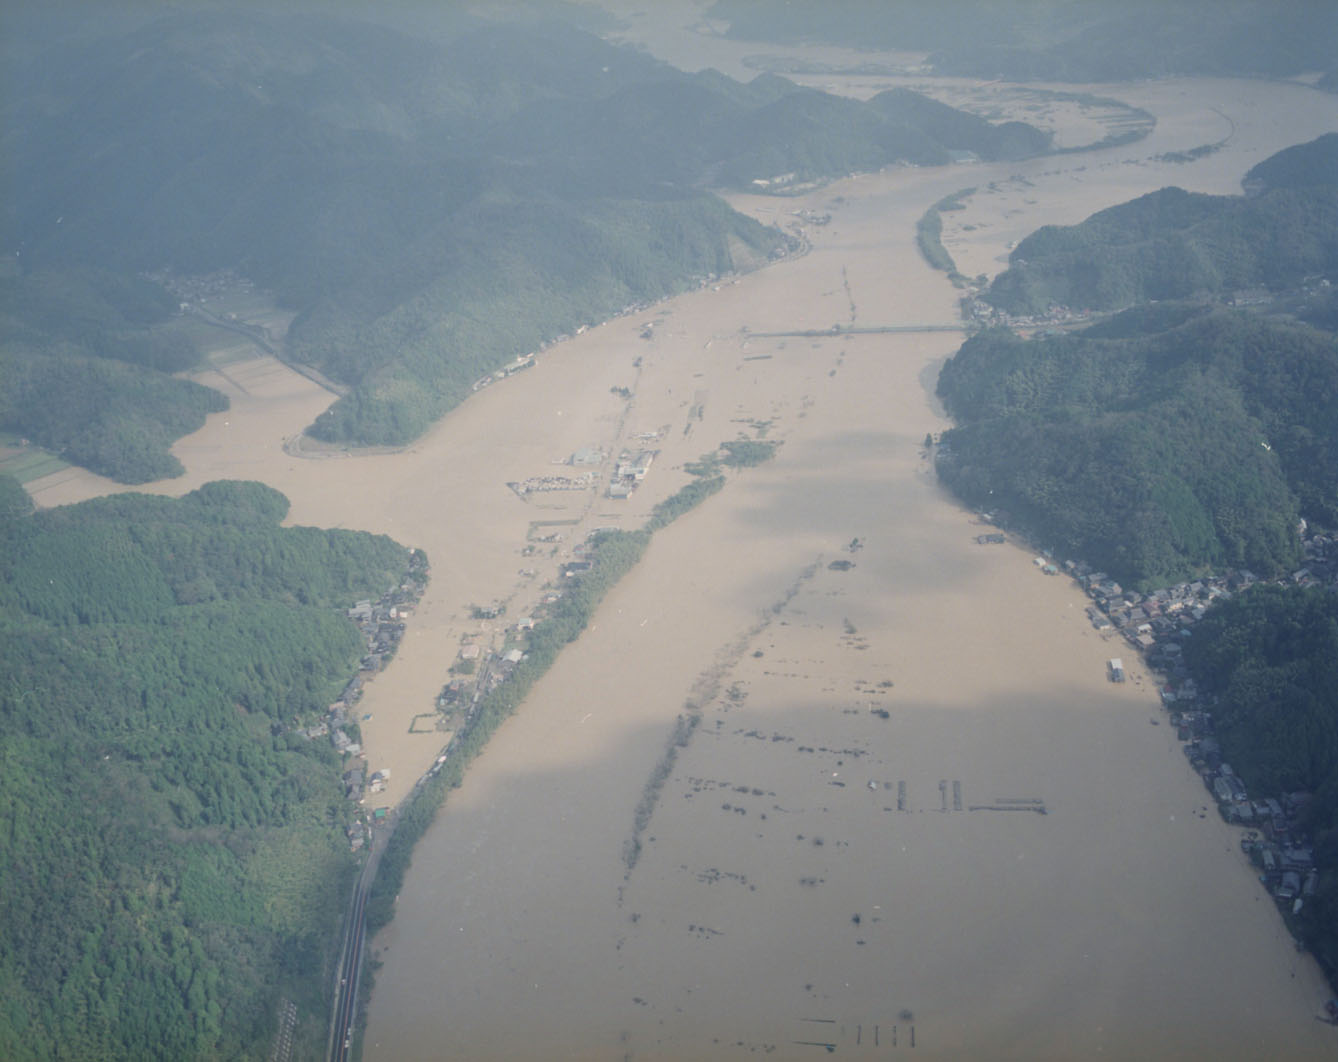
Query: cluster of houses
pixel 630 470
pixel 526 361
pixel 1276 842
pixel 523 362
pixel 539 484
pixel 976 311
pixel 812 217
pixel 488 667
pixel 484 670
pixel 1157 624
pixel 359 832
pixel 200 288
pixel 1321 559
pixel 382 625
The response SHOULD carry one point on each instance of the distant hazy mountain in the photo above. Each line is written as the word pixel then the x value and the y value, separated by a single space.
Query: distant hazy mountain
pixel 195 137
pixel 1062 40
pixel 1173 244
pixel 1301 166
pixel 433 205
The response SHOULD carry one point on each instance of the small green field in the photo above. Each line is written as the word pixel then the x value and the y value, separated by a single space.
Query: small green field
pixel 223 346
pixel 538 528
pixel 220 346
pixel 26 463
pixel 247 305
pixel 229 353
pixel 204 335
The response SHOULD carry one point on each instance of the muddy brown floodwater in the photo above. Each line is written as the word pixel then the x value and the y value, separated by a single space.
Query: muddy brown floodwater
pixel 817 875
pixel 845 854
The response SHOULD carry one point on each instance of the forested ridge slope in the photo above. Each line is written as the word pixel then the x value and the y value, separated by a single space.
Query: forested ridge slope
pixel 1268 659
pixel 431 205
pixel 173 850
pixel 1159 444
pixel 1173 437
pixel 1300 166
pixel 1173 244
pixel 87 356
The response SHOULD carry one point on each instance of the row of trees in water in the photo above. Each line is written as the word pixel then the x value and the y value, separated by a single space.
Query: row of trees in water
pixel 614 554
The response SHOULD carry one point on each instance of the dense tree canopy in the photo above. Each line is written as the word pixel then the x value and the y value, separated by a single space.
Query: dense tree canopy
pixel 1270 658
pixel 85 354
pixel 172 859
pixel 432 205
pixel 1300 166
pixel 1161 442
pixel 1176 436
pixel 1173 244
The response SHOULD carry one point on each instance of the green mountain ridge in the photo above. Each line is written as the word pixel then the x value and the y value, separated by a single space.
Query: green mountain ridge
pixel 1155 453
pixel 1176 436
pixel 1173 244
pixel 1299 166
pixel 431 206
pixel 174 850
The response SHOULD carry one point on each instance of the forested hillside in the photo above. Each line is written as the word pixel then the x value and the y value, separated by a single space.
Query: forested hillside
pixel 85 355
pixel 1163 442
pixel 1177 436
pixel 432 205
pixel 173 853
pixel 1299 166
pixel 1173 244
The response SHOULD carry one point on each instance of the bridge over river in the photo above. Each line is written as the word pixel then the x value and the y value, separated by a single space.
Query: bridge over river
pixel 859 330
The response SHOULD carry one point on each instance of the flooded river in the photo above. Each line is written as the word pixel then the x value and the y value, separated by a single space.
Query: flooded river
pixel 847 853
